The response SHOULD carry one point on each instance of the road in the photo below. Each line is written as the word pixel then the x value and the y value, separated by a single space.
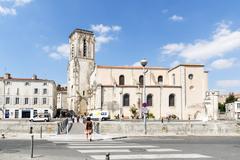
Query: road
pixel 200 148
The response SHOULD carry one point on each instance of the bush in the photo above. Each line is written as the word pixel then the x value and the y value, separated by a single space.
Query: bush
pixel 150 116
pixel 134 112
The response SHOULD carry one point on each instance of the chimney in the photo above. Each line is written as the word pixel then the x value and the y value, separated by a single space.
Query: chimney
pixel 34 77
pixel 7 76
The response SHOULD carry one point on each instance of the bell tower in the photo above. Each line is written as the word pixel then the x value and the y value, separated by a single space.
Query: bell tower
pixel 80 67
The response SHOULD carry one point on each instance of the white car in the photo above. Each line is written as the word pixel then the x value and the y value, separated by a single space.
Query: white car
pixel 40 118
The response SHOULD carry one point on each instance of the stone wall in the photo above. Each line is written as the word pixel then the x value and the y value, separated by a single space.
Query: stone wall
pixel 216 128
pixel 24 127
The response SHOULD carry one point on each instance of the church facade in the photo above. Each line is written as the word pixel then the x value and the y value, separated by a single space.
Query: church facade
pixel 178 92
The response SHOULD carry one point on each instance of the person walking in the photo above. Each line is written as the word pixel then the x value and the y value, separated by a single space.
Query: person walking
pixel 88 129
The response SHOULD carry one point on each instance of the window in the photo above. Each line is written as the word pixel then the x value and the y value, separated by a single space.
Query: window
pixel 45 113
pixel 72 50
pixel 84 48
pixel 35 91
pixel 35 101
pixel 126 100
pixel 25 100
pixel 190 76
pixel 16 113
pixel 7 113
pixel 121 80
pixel 34 112
pixel 171 100
pixel 238 105
pixel 7 100
pixel 27 84
pixel 141 80
pixel 17 91
pixel 44 91
pixel 160 79
pixel 17 100
pixel 44 83
pixel 44 101
pixel 8 83
pixel 173 78
pixel 149 100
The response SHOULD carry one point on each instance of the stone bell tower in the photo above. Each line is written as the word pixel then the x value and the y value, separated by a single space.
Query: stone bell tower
pixel 80 67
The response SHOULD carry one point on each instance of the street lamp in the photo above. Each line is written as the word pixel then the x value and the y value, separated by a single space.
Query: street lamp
pixel 144 63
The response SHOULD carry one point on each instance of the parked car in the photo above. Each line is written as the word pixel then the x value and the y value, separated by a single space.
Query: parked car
pixel 40 118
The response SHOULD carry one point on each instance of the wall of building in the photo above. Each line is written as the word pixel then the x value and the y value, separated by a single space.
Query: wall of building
pixel 15 88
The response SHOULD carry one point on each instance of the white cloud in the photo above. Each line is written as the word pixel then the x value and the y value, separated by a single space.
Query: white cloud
pixel 222 41
pixel 174 63
pixel 57 52
pixel 104 34
pixel 7 11
pixel 228 83
pixel 10 6
pixel 63 50
pixel 223 63
pixel 137 64
pixel 176 18
pixel 21 2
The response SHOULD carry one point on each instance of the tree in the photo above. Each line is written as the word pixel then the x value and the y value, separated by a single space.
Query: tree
pixel 221 107
pixel 231 98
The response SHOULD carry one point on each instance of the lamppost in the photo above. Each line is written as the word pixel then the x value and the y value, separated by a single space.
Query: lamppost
pixel 144 63
pixel 120 104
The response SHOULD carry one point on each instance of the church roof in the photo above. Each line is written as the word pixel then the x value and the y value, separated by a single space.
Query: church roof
pixel 81 31
pixel 131 67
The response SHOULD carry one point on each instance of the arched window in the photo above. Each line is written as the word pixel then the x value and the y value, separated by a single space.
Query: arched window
pixel 160 79
pixel 126 99
pixel 141 80
pixel 172 100
pixel 149 99
pixel 84 48
pixel 121 80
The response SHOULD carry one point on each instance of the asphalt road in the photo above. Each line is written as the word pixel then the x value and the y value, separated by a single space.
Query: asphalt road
pixel 215 148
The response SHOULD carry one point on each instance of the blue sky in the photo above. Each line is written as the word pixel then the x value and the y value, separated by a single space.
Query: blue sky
pixel 34 35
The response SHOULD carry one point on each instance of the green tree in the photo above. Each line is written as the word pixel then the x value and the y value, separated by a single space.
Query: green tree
pixel 221 107
pixel 231 98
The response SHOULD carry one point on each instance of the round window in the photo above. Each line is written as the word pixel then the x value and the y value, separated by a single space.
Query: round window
pixel 190 76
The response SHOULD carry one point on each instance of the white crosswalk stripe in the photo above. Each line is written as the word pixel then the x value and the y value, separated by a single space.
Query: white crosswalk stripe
pixel 120 150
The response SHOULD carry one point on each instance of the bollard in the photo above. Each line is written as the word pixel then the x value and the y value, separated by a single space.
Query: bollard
pixel 107 156
pixel 41 132
pixel 32 146
pixel 31 130
pixel 3 135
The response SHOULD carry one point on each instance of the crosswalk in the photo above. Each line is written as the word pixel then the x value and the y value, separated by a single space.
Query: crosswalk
pixel 120 150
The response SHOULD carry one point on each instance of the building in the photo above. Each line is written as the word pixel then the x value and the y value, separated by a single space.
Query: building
pixel 62 97
pixel 24 97
pixel 233 110
pixel 179 91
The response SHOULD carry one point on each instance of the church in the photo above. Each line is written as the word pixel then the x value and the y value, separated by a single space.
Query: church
pixel 177 92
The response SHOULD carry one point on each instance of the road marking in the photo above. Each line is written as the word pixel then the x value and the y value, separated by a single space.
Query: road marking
pixel 151 156
pixel 88 147
pixel 94 144
pixel 104 151
pixel 163 150
pixel 85 142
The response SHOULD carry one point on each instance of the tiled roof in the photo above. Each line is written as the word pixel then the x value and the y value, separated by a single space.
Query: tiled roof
pixel 131 67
